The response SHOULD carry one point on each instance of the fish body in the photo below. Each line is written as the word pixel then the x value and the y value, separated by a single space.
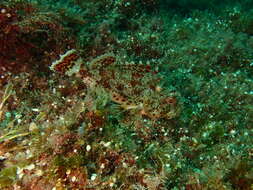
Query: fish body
pixel 132 86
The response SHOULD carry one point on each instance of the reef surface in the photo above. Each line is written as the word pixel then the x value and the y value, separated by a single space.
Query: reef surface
pixel 126 95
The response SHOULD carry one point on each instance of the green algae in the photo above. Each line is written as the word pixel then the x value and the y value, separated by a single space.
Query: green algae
pixel 199 50
pixel 8 176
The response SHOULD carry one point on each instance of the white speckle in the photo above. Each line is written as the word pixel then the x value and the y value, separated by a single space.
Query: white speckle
pixel 39 173
pixel 30 167
pixel 93 177
pixel 33 127
pixel 35 109
pixel 107 144
pixel 232 132
pixel 102 166
pixel 167 165
pixel 205 134
pixel 73 179
pixel 124 165
pixel 68 172
pixel 8 15
pixel 88 148
pixel 29 154
pixel 20 171
pixel 3 11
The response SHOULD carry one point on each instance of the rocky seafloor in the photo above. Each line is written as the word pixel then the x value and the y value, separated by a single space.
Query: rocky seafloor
pixel 126 95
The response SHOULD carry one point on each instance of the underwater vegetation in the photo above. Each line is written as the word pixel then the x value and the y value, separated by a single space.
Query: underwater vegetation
pixel 28 35
pixel 126 95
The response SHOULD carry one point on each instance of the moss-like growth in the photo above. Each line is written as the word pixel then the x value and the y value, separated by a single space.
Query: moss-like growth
pixel 161 98
pixel 8 176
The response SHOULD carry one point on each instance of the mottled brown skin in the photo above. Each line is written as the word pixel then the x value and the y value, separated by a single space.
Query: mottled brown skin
pixel 126 83
pixel 66 63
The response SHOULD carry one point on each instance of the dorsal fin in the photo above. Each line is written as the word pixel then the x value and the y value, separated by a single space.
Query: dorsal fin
pixel 69 63
pixel 103 61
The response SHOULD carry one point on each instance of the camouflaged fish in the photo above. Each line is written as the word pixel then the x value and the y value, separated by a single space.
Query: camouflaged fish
pixel 133 86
